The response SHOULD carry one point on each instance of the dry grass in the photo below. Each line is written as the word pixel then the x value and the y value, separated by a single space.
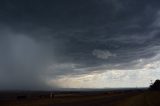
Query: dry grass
pixel 61 100
pixel 149 98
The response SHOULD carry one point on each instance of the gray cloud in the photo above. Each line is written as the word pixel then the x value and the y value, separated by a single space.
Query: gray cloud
pixel 105 54
pixel 41 40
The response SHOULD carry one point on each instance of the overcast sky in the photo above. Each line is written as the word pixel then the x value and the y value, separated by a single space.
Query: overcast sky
pixel 48 44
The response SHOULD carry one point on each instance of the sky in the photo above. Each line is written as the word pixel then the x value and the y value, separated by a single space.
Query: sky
pixel 51 44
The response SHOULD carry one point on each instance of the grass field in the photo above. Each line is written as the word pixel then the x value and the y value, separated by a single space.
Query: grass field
pixel 146 98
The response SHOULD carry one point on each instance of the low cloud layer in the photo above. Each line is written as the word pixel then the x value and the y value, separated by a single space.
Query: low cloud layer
pixel 105 54
pixel 41 41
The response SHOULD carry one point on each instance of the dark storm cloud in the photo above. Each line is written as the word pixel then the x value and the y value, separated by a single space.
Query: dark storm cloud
pixel 43 39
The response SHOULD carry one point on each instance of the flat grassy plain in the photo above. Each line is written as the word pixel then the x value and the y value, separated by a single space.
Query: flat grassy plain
pixel 147 98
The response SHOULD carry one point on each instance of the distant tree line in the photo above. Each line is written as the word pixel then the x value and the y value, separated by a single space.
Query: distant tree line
pixel 155 85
